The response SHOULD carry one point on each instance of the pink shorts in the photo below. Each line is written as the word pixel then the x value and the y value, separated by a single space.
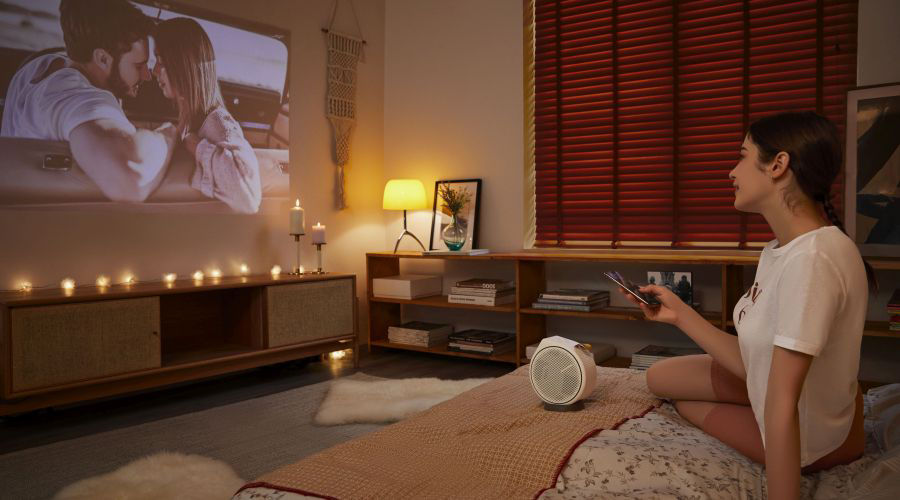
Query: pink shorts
pixel 735 425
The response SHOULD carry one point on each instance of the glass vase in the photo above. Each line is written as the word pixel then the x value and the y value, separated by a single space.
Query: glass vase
pixel 454 235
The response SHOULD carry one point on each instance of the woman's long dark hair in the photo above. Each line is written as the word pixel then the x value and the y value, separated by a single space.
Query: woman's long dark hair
pixel 813 145
pixel 190 62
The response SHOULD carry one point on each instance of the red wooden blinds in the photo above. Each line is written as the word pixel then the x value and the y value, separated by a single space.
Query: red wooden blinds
pixel 641 106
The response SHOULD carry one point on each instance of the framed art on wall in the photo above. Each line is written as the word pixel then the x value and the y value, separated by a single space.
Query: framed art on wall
pixel 454 222
pixel 872 186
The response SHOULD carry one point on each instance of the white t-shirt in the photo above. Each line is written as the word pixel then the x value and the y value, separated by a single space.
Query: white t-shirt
pixel 50 108
pixel 808 296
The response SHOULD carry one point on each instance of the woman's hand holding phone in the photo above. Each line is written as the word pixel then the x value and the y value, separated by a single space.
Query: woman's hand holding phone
pixel 670 309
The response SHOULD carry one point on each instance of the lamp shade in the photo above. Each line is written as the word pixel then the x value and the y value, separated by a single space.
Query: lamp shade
pixel 404 194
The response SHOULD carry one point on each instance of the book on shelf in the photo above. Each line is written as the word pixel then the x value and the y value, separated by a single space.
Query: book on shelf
pixel 480 300
pixel 574 294
pixel 489 283
pixel 420 333
pixel 500 348
pixel 593 306
pixel 573 302
pixel 893 305
pixel 644 358
pixel 481 292
pixel 407 286
pixel 474 251
pixel 481 336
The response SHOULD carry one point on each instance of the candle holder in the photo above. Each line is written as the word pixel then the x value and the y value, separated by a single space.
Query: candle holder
pixel 318 259
pixel 297 268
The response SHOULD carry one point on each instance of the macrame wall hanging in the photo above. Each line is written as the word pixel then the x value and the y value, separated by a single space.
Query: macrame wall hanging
pixel 344 52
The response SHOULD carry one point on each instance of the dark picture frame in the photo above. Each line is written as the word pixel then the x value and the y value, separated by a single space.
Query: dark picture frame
pixel 469 216
pixel 680 282
pixel 872 185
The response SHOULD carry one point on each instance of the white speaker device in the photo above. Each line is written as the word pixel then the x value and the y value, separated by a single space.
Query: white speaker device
pixel 562 373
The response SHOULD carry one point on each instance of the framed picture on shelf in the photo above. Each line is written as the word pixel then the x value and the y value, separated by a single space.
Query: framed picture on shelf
pixel 872 185
pixel 454 222
pixel 678 282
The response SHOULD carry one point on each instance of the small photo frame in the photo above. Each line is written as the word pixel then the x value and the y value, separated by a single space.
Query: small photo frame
pixel 679 282
pixel 468 216
pixel 872 185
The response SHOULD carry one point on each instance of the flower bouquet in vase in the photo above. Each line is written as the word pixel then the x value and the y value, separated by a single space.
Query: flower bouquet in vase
pixel 455 200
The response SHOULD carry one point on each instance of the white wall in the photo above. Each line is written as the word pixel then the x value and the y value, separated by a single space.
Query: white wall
pixel 44 247
pixel 878 42
pixel 453 101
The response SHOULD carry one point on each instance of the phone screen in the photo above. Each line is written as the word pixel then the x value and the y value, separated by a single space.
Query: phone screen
pixel 631 288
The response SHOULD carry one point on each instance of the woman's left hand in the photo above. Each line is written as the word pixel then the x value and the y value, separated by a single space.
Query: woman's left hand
pixel 191 141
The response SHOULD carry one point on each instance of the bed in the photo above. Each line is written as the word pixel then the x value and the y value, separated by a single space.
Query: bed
pixel 652 454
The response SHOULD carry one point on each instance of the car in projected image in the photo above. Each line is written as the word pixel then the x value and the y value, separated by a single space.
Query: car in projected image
pixel 252 67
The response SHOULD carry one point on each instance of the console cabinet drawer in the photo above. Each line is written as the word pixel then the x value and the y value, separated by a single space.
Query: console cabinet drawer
pixel 304 312
pixel 59 344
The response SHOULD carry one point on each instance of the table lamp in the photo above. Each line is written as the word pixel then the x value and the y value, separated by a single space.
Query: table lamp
pixel 404 194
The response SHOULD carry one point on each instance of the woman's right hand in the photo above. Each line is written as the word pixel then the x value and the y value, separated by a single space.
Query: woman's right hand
pixel 670 310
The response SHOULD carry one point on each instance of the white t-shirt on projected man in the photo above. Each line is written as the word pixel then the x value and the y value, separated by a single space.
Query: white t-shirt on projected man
pixel 52 106
pixel 808 296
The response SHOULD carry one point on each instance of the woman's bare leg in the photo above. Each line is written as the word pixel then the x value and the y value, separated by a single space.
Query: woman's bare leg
pixel 695 378
pixel 710 397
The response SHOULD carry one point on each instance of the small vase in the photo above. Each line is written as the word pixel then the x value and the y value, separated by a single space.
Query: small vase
pixel 454 235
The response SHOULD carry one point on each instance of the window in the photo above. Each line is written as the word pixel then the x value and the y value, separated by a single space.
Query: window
pixel 640 108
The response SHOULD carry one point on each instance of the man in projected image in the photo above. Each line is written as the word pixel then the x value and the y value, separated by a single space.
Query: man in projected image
pixel 76 98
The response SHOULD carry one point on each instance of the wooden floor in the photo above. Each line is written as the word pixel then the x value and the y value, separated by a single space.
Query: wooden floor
pixel 58 424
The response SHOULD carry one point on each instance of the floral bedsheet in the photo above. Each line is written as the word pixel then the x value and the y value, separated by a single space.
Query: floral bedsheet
pixel 662 456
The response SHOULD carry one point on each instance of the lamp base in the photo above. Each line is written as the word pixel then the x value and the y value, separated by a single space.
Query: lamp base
pixel 404 233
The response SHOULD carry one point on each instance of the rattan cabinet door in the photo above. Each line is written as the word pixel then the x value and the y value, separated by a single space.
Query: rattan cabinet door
pixel 59 344
pixel 304 312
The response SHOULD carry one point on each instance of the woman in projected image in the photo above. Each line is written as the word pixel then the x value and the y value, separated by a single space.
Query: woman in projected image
pixel 226 166
pixel 783 391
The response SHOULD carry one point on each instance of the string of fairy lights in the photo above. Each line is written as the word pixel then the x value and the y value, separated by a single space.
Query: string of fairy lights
pixel 104 282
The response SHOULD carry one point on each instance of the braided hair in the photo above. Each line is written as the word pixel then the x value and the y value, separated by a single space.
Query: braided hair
pixel 813 145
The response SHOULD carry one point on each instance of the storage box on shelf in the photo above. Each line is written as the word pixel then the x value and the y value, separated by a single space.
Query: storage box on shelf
pixel 531 280
pixel 60 347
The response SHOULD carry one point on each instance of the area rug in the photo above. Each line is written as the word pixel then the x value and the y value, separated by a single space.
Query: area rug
pixel 159 476
pixel 253 436
pixel 383 401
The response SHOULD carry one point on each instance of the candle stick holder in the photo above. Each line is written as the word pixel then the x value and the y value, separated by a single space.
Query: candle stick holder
pixel 318 259
pixel 297 268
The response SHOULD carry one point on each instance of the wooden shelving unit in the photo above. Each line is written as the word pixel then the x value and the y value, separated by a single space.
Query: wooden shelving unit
pixel 531 280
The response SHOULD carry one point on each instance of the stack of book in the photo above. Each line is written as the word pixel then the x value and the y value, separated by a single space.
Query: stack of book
pixel 642 359
pixel 572 299
pixel 419 333
pixel 482 342
pixel 893 308
pixel 482 292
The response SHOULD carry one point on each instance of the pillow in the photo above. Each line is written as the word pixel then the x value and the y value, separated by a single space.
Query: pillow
pixel 884 414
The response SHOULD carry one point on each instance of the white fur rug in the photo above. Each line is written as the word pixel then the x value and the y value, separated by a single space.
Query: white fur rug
pixel 160 476
pixel 381 401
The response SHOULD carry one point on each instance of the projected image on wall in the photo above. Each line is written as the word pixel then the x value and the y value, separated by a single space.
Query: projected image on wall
pixel 124 105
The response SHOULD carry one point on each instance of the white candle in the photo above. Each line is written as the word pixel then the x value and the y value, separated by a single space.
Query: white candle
pixel 318 233
pixel 298 224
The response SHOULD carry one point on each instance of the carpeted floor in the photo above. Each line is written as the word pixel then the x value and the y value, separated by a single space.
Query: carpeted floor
pixel 253 436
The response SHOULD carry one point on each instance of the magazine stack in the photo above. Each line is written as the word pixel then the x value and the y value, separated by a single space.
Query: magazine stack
pixel 482 342
pixel 482 292
pixel 642 359
pixel 893 308
pixel 572 299
pixel 419 333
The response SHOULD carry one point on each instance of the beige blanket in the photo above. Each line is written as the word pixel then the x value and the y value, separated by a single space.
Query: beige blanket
pixel 494 441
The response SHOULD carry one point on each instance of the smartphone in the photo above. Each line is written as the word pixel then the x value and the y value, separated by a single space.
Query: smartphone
pixel 631 288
